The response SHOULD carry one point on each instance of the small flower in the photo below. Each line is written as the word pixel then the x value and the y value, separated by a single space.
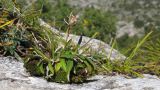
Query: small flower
pixel 72 19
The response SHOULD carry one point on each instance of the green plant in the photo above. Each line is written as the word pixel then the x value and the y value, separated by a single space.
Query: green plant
pixel 129 66
pixel 139 44
pixel 7 41
pixel 60 60
pixel 15 28
pixel 147 59
pixel 90 20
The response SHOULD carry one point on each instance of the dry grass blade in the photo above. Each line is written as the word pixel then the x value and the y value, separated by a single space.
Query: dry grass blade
pixel 7 23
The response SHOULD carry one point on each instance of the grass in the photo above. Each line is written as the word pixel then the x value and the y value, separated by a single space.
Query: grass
pixel 48 55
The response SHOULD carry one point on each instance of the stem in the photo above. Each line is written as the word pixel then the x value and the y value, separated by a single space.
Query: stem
pixel 68 31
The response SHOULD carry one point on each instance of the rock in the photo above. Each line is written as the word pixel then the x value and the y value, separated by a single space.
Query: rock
pixel 94 44
pixel 13 76
pixel 129 29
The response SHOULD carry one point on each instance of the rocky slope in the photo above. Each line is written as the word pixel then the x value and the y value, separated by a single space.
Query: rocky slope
pixel 131 14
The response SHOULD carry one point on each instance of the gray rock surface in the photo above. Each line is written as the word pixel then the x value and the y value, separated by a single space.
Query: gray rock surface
pixel 94 44
pixel 129 29
pixel 13 76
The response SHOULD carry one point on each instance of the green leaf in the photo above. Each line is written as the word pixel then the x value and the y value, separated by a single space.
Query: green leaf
pixel 68 43
pixel 69 68
pixel 88 62
pixel 41 54
pixel 68 55
pixel 41 68
pixel 17 56
pixel 89 67
pixel 57 67
pixel 63 63
pixel 51 67
pixel 91 63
